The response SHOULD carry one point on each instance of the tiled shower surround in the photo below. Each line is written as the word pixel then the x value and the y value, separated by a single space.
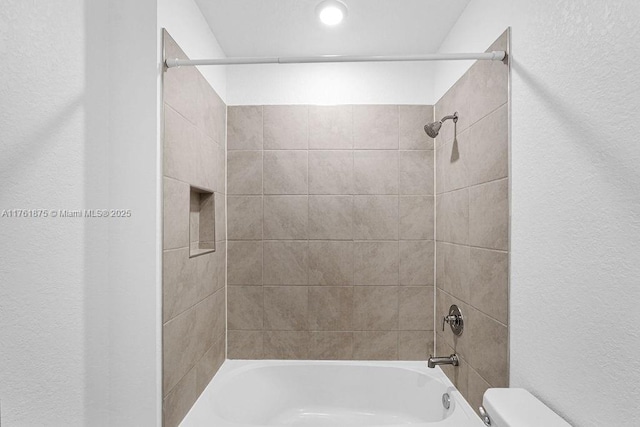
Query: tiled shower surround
pixel 331 223
pixel 330 227
pixel 472 231
pixel 193 288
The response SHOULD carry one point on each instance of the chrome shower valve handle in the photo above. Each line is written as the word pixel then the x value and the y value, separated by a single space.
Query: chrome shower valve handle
pixel 454 319
pixel 450 319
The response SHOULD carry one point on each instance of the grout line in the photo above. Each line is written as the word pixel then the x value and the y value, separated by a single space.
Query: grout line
pixel 226 237
pixel 335 330
pixel 504 251
pixel 308 209
pixel 435 245
pixel 398 233
pixel 262 354
pixel 468 187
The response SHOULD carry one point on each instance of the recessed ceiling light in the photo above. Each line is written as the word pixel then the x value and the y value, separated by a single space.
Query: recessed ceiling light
pixel 331 12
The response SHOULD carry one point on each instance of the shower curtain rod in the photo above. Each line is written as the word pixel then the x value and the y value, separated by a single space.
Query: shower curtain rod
pixel 496 55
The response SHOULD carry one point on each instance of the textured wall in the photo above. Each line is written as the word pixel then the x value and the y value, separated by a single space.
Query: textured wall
pixel 78 296
pixel 330 232
pixel 472 226
pixel 575 198
pixel 43 115
pixel 193 287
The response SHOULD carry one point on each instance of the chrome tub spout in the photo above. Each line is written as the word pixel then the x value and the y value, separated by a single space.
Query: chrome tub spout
pixel 449 360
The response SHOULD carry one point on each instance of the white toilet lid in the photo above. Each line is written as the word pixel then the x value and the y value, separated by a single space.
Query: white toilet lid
pixel 516 407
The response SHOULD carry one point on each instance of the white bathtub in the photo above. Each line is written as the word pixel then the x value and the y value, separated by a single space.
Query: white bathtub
pixel 329 394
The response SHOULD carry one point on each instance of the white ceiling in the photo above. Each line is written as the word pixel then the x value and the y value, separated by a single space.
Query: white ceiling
pixel 291 27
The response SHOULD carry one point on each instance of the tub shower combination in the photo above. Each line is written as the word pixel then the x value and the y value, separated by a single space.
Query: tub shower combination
pixel 205 319
pixel 336 393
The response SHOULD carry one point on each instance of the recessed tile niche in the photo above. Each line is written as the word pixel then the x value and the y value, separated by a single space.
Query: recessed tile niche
pixel 202 219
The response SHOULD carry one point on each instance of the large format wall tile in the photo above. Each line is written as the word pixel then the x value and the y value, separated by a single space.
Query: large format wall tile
pixel 375 127
pixel 331 172
pixel 331 128
pixel 245 344
pixel 489 149
pixel 376 263
pixel 375 308
pixel 286 345
pixel 220 217
pixel 207 152
pixel 330 308
pixel 456 100
pixel 488 340
pixel 375 217
pixel 488 84
pixel 193 288
pixel 489 282
pixel 286 217
pixel 286 263
pixel 413 268
pixel 416 172
pixel 244 172
pixel 415 308
pixel 179 287
pixel 245 307
pixel 286 172
pixel 245 217
pixel 375 345
pixel 179 400
pixel 331 263
pixel 331 217
pixel 452 213
pixel 213 117
pixel 286 127
pixel 244 263
pixel 179 146
pixel 489 215
pixel 476 386
pixel 316 217
pixel 454 270
pixel 453 163
pixel 286 308
pixel 411 120
pixel 324 345
pixel 375 172
pixel 244 128
pixel 472 225
pixel 181 351
pixel 206 279
pixel 209 364
pixel 415 345
pixel 416 217
pixel 175 214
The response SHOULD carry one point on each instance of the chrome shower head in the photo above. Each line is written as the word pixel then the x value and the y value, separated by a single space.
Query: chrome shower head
pixel 433 129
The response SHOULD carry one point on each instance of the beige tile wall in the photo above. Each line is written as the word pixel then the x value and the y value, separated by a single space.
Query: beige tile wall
pixel 193 331
pixel 472 226
pixel 331 231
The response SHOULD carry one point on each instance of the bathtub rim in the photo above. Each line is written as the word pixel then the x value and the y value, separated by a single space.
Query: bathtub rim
pixel 233 367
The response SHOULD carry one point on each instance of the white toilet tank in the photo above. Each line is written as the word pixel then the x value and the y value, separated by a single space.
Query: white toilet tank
pixel 516 407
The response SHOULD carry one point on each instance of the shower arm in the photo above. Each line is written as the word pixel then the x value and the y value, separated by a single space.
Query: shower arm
pixel 453 117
